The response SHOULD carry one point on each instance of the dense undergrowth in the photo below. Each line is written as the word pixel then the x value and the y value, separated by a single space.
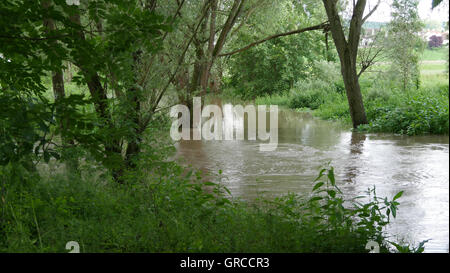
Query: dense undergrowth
pixel 163 207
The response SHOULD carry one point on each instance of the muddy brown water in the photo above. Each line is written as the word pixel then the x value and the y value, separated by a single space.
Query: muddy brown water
pixel 417 165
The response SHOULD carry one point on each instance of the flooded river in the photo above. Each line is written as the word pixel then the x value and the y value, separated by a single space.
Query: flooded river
pixel 417 165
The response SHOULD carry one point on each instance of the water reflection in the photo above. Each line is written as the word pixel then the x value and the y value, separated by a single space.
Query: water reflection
pixel 417 165
pixel 356 150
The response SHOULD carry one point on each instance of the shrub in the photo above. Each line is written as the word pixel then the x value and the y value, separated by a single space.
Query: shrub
pixel 278 99
pixel 421 114
pixel 311 94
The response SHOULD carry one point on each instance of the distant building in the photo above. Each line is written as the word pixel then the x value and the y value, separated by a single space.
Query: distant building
pixel 368 36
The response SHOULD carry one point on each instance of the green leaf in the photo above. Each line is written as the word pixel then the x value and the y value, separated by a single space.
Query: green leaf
pixel 46 156
pixel 331 176
pixel 315 198
pixel 435 3
pixel 331 193
pixel 227 190
pixel 318 185
pixel 320 174
pixel 421 247
pixel 394 211
pixel 398 195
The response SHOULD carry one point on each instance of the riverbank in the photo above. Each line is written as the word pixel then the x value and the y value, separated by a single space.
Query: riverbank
pixel 162 214
pixel 163 207
pixel 414 112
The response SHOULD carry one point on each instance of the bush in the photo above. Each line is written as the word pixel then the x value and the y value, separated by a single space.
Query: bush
pixel 420 114
pixel 307 99
pixel 279 99
pixel 311 94
pixel 388 109
pixel 415 112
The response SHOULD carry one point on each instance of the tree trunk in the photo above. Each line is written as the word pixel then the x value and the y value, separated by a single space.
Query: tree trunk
pixel 348 50
pixel 209 60
pixel 133 147
pixel 113 147
pixel 59 93
pixel 57 75
pixel 353 90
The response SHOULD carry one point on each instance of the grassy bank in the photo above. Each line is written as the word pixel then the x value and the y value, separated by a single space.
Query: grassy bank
pixel 435 54
pixel 417 111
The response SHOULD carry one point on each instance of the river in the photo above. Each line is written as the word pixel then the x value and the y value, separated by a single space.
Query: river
pixel 417 165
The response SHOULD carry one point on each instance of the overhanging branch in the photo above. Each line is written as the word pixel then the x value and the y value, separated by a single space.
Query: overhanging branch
pixel 371 11
pixel 323 26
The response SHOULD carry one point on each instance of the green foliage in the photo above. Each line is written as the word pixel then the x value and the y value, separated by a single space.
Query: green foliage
pixel 276 99
pixel 410 249
pixel 404 44
pixel 160 206
pixel 423 111
pixel 326 86
pixel 20 131
pixel 417 114
pixel 312 94
pixel 167 208
pixel 274 66
pixel 29 52
pixel 436 3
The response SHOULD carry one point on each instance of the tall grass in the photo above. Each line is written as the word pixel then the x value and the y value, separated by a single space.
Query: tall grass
pixel 167 208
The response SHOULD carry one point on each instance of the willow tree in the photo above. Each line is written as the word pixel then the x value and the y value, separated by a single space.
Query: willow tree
pixel 347 48
pixel 109 42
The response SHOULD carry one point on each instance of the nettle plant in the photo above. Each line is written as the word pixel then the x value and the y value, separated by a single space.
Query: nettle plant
pixel 368 219
pixel 328 214
pixel 371 217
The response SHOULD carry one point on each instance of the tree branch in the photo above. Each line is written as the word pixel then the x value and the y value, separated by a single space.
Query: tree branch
pixel 371 12
pixel 316 27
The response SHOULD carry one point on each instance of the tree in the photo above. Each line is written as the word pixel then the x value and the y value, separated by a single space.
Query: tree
pixel 347 48
pixel 108 42
pixel 435 41
pixel 210 39
pixel 434 5
pixel 275 63
pixel 213 28
pixel 405 44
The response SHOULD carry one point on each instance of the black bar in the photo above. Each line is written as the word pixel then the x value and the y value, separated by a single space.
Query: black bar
pixel 196 262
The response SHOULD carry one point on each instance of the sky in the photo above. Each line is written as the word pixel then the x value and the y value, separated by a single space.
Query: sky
pixel 382 14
